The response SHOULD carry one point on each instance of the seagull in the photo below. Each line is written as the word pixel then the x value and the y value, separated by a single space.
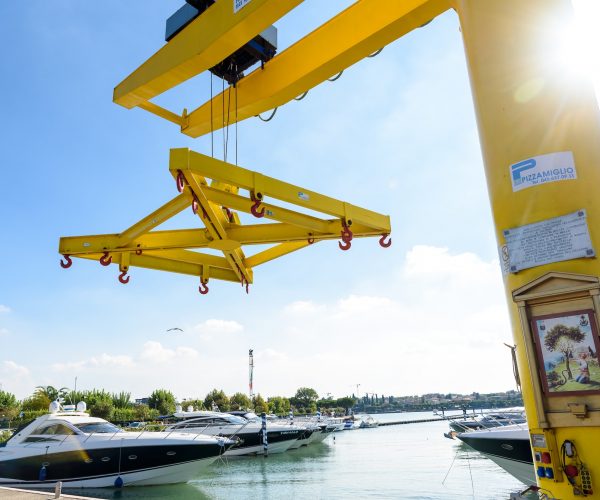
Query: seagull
pixel 174 329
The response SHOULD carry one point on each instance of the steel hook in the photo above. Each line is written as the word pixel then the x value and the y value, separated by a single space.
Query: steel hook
pixel 106 259
pixel 203 289
pixel 180 181
pixel 122 277
pixel 382 241
pixel 345 246
pixel 346 234
pixel 68 262
pixel 254 209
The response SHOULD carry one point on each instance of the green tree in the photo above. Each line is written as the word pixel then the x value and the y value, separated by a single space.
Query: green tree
pixel 197 404
pixel 163 400
pixel 102 409
pixel 305 397
pixel 239 401
pixel 279 405
pixel 562 338
pixel 36 402
pixel 346 403
pixel 51 392
pixel 141 412
pixel 259 404
pixel 9 406
pixel 121 400
pixel 218 398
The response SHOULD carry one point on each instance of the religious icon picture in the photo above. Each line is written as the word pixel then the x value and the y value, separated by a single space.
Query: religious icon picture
pixel 567 347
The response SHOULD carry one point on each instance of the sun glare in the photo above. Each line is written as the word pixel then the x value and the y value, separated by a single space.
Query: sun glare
pixel 579 52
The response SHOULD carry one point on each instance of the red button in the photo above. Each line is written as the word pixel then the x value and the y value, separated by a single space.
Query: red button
pixel 546 459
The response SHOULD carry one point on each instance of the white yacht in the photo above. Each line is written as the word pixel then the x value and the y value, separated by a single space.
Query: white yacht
pixel 507 446
pixel 87 452
pixel 246 430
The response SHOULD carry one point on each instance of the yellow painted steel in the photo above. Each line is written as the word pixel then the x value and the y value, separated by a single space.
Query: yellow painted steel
pixel 352 35
pixel 527 106
pixel 206 41
pixel 212 187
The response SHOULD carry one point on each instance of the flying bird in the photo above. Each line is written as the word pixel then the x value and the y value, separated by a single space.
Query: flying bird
pixel 174 329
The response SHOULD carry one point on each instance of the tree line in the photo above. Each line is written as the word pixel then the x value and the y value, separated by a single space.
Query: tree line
pixel 118 407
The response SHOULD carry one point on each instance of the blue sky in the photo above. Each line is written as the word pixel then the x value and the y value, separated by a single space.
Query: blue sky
pixel 395 134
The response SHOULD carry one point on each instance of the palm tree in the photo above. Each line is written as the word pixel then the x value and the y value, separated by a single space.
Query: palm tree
pixel 51 392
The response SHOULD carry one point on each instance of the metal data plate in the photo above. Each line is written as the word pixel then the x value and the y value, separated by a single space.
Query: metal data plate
pixel 538 441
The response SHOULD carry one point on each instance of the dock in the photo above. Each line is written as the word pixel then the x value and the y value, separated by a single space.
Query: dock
pixel 19 494
pixel 421 420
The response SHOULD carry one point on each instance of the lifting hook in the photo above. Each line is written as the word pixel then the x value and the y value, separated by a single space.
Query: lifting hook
pixel 122 277
pixel 382 241
pixel 68 262
pixel 346 245
pixel 203 289
pixel 346 234
pixel 254 207
pixel 244 281
pixel 106 259
pixel 180 181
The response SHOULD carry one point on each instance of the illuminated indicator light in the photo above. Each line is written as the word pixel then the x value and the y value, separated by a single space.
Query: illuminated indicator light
pixel 546 459
pixel 541 472
pixel 549 473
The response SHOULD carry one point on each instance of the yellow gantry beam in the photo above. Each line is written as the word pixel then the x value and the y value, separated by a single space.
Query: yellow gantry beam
pixel 211 187
pixel 207 40
pixel 353 34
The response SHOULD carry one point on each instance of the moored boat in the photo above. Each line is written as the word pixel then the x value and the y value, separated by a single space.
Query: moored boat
pixel 88 452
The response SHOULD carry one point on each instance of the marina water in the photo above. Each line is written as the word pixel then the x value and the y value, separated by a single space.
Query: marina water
pixel 412 461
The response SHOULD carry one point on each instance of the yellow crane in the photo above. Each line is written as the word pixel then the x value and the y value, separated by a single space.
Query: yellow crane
pixel 540 137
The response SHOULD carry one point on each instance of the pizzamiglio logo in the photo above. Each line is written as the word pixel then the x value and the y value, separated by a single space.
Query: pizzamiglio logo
pixel 543 169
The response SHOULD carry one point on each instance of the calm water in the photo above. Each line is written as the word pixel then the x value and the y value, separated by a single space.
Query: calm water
pixel 404 461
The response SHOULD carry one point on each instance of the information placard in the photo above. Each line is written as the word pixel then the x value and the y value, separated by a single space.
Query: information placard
pixel 553 240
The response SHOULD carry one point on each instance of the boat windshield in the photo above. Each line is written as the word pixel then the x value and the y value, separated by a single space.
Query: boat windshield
pixel 98 428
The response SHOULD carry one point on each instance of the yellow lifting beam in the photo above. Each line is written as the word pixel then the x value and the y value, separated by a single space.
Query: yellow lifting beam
pixel 352 35
pixel 212 188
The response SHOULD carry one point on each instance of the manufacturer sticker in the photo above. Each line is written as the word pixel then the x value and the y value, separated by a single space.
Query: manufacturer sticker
pixel 239 4
pixel 542 169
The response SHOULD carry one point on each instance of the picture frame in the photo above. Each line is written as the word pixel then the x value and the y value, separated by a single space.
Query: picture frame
pixel 568 347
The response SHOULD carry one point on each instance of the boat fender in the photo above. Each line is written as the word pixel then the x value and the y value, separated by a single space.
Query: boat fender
pixel 119 482
pixel 42 475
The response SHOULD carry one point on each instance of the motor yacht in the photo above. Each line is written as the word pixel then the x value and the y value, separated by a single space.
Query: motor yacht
pixel 88 452
pixel 247 431
pixel 488 420
pixel 508 446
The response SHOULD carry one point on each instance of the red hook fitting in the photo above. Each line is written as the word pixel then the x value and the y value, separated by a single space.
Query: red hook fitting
pixel 346 234
pixel 203 289
pixel 68 262
pixel 106 259
pixel 180 181
pixel 124 279
pixel 345 246
pixel 229 214
pixel 254 207
pixel 382 241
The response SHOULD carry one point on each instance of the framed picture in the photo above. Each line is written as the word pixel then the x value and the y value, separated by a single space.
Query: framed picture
pixel 567 347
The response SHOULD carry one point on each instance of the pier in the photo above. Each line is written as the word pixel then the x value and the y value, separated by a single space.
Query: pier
pixel 421 420
pixel 18 494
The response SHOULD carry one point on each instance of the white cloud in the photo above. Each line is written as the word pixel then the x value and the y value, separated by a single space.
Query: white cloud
pixel 4 309
pixel 155 352
pixel 102 361
pixel 302 307
pixel 215 327
pixel 12 369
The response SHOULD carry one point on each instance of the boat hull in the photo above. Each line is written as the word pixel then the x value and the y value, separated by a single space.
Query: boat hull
pixel 100 467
